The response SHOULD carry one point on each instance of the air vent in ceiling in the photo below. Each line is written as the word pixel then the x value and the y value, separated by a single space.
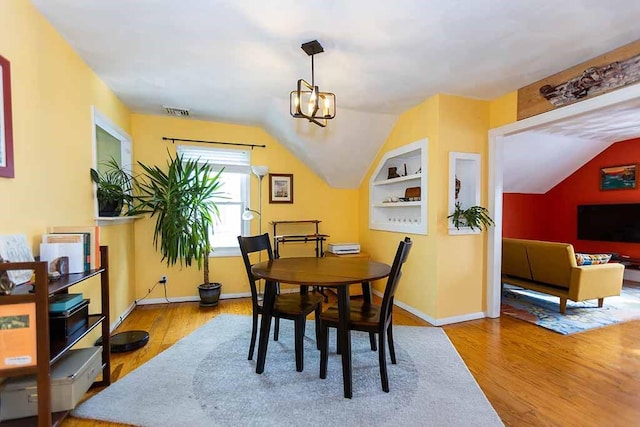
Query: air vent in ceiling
pixel 178 112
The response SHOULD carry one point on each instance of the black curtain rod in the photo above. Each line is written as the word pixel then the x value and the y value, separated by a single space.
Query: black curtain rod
pixel 164 138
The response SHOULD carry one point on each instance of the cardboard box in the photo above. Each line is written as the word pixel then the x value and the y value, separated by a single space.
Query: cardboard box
pixel 71 377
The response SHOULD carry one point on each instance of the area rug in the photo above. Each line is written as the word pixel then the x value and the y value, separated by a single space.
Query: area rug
pixel 206 380
pixel 544 310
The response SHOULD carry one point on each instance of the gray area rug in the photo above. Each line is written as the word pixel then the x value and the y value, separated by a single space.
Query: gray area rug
pixel 206 380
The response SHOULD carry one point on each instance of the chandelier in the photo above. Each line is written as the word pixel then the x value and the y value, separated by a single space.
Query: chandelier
pixel 307 102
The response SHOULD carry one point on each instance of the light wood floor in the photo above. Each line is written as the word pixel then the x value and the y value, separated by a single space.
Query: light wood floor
pixel 530 375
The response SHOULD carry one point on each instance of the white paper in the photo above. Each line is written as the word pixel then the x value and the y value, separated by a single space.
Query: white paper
pixel 75 251
pixel 14 248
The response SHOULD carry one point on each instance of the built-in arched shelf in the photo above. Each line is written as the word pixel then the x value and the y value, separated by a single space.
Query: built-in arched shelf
pixel 389 207
pixel 464 168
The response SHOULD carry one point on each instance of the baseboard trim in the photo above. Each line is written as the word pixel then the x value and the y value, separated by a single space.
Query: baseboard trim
pixel 121 318
pixel 431 320
pixel 417 313
pixel 191 298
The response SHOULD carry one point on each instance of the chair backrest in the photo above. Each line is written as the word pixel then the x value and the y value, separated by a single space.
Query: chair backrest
pixel 394 278
pixel 252 244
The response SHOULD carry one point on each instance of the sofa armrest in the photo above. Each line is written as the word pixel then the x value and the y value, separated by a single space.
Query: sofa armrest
pixel 595 281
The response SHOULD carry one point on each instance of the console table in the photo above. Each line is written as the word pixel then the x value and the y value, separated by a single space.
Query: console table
pixel 315 237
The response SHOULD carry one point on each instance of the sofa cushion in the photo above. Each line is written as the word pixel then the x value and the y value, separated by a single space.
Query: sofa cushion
pixel 514 259
pixel 551 262
pixel 592 259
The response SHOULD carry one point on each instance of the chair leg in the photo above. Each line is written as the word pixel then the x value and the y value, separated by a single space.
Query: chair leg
pixel 392 350
pixel 317 314
pixel 600 302
pixel 383 362
pixel 299 343
pixel 324 350
pixel 372 341
pixel 254 333
pixel 276 330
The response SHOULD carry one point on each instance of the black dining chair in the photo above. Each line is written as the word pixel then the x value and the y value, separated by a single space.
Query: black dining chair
pixel 368 317
pixel 293 306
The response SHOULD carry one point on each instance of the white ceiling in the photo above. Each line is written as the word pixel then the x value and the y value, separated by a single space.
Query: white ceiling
pixel 537 160
pixel 237 61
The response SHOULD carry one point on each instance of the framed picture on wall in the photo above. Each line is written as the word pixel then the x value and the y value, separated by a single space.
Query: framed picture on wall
pixel 6 129
pixel 618 177
pixel 280 188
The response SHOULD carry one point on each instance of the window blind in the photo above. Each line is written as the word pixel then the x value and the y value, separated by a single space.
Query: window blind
pixel 233 161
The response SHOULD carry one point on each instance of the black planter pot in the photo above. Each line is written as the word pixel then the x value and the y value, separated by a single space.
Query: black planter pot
pixel 110 208
pixel 209 294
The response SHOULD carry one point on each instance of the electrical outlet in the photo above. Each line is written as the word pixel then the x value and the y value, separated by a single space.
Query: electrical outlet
pixel 163 279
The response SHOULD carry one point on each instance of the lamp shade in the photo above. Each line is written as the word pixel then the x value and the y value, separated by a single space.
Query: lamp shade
pixel 260 171
pixel 247 215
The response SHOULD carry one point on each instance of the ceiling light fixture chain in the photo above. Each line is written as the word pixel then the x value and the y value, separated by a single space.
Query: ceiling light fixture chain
pixel 319 106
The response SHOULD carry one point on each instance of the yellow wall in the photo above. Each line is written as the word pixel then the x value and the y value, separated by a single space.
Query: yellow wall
pixel 313 199
pixel 445 275
pixel 52 94
pixel 504 110
pixel 418 286
pixel 461 280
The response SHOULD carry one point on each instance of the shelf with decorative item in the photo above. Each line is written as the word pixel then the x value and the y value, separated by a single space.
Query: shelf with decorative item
pixel 397 204
pixel 466 215
pixel 397 190
pixel 416 176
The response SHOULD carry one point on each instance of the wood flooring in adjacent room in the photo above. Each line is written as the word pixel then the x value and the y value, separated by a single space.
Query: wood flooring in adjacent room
pixel 530 375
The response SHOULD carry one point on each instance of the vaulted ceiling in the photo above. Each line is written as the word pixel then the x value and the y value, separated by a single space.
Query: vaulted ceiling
pixel 237 61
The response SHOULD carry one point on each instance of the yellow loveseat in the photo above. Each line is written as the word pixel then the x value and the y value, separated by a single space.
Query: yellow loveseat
pixel 551 268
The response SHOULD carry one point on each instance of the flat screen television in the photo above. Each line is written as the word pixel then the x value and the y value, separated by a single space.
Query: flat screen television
pixel 609 223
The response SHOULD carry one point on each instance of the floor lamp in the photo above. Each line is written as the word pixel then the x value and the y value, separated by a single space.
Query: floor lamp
pixel 248 214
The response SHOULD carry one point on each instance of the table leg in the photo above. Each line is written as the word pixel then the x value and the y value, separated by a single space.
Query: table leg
pixel 267 309
pixel 366 292
pixel 366 296
pixel 344 335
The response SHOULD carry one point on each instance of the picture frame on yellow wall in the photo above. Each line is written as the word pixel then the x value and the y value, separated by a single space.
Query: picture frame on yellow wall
pixel 280 188
pixel 6 127
pixel 623 177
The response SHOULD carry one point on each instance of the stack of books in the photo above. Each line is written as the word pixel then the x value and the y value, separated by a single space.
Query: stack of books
pixel 80 245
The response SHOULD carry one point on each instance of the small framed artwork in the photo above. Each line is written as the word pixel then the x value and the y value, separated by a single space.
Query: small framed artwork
pixel 6 129
pixel 618 177
pixel 280 188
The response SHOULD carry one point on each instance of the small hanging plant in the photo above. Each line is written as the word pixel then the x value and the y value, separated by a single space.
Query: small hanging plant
pixel 474 217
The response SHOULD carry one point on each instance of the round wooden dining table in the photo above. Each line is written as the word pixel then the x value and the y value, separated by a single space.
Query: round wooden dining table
pixel 332 272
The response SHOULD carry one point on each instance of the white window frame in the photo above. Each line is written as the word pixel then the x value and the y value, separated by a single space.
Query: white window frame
pixel 203 153
pixel 126 156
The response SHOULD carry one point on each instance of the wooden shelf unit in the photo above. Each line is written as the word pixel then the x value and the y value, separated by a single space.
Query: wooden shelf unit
pixel 316 237
pixel 48 350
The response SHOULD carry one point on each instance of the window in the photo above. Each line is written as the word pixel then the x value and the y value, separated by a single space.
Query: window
pixel 235 178
pixel 109 142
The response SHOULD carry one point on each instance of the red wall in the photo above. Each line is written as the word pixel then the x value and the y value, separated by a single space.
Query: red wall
pixel 558 207
pixel 524 216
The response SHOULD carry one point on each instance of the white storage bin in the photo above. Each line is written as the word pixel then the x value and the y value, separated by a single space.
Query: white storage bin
pixel 71 377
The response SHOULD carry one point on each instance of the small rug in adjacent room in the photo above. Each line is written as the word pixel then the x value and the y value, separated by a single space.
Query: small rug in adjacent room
pixel 544 310
pixel 205 379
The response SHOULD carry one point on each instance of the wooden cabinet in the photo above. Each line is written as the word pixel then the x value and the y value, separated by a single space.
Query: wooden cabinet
pixel 49 350
pixel 399 203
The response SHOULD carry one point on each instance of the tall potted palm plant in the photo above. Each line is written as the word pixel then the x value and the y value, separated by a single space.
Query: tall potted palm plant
pixel 182 198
